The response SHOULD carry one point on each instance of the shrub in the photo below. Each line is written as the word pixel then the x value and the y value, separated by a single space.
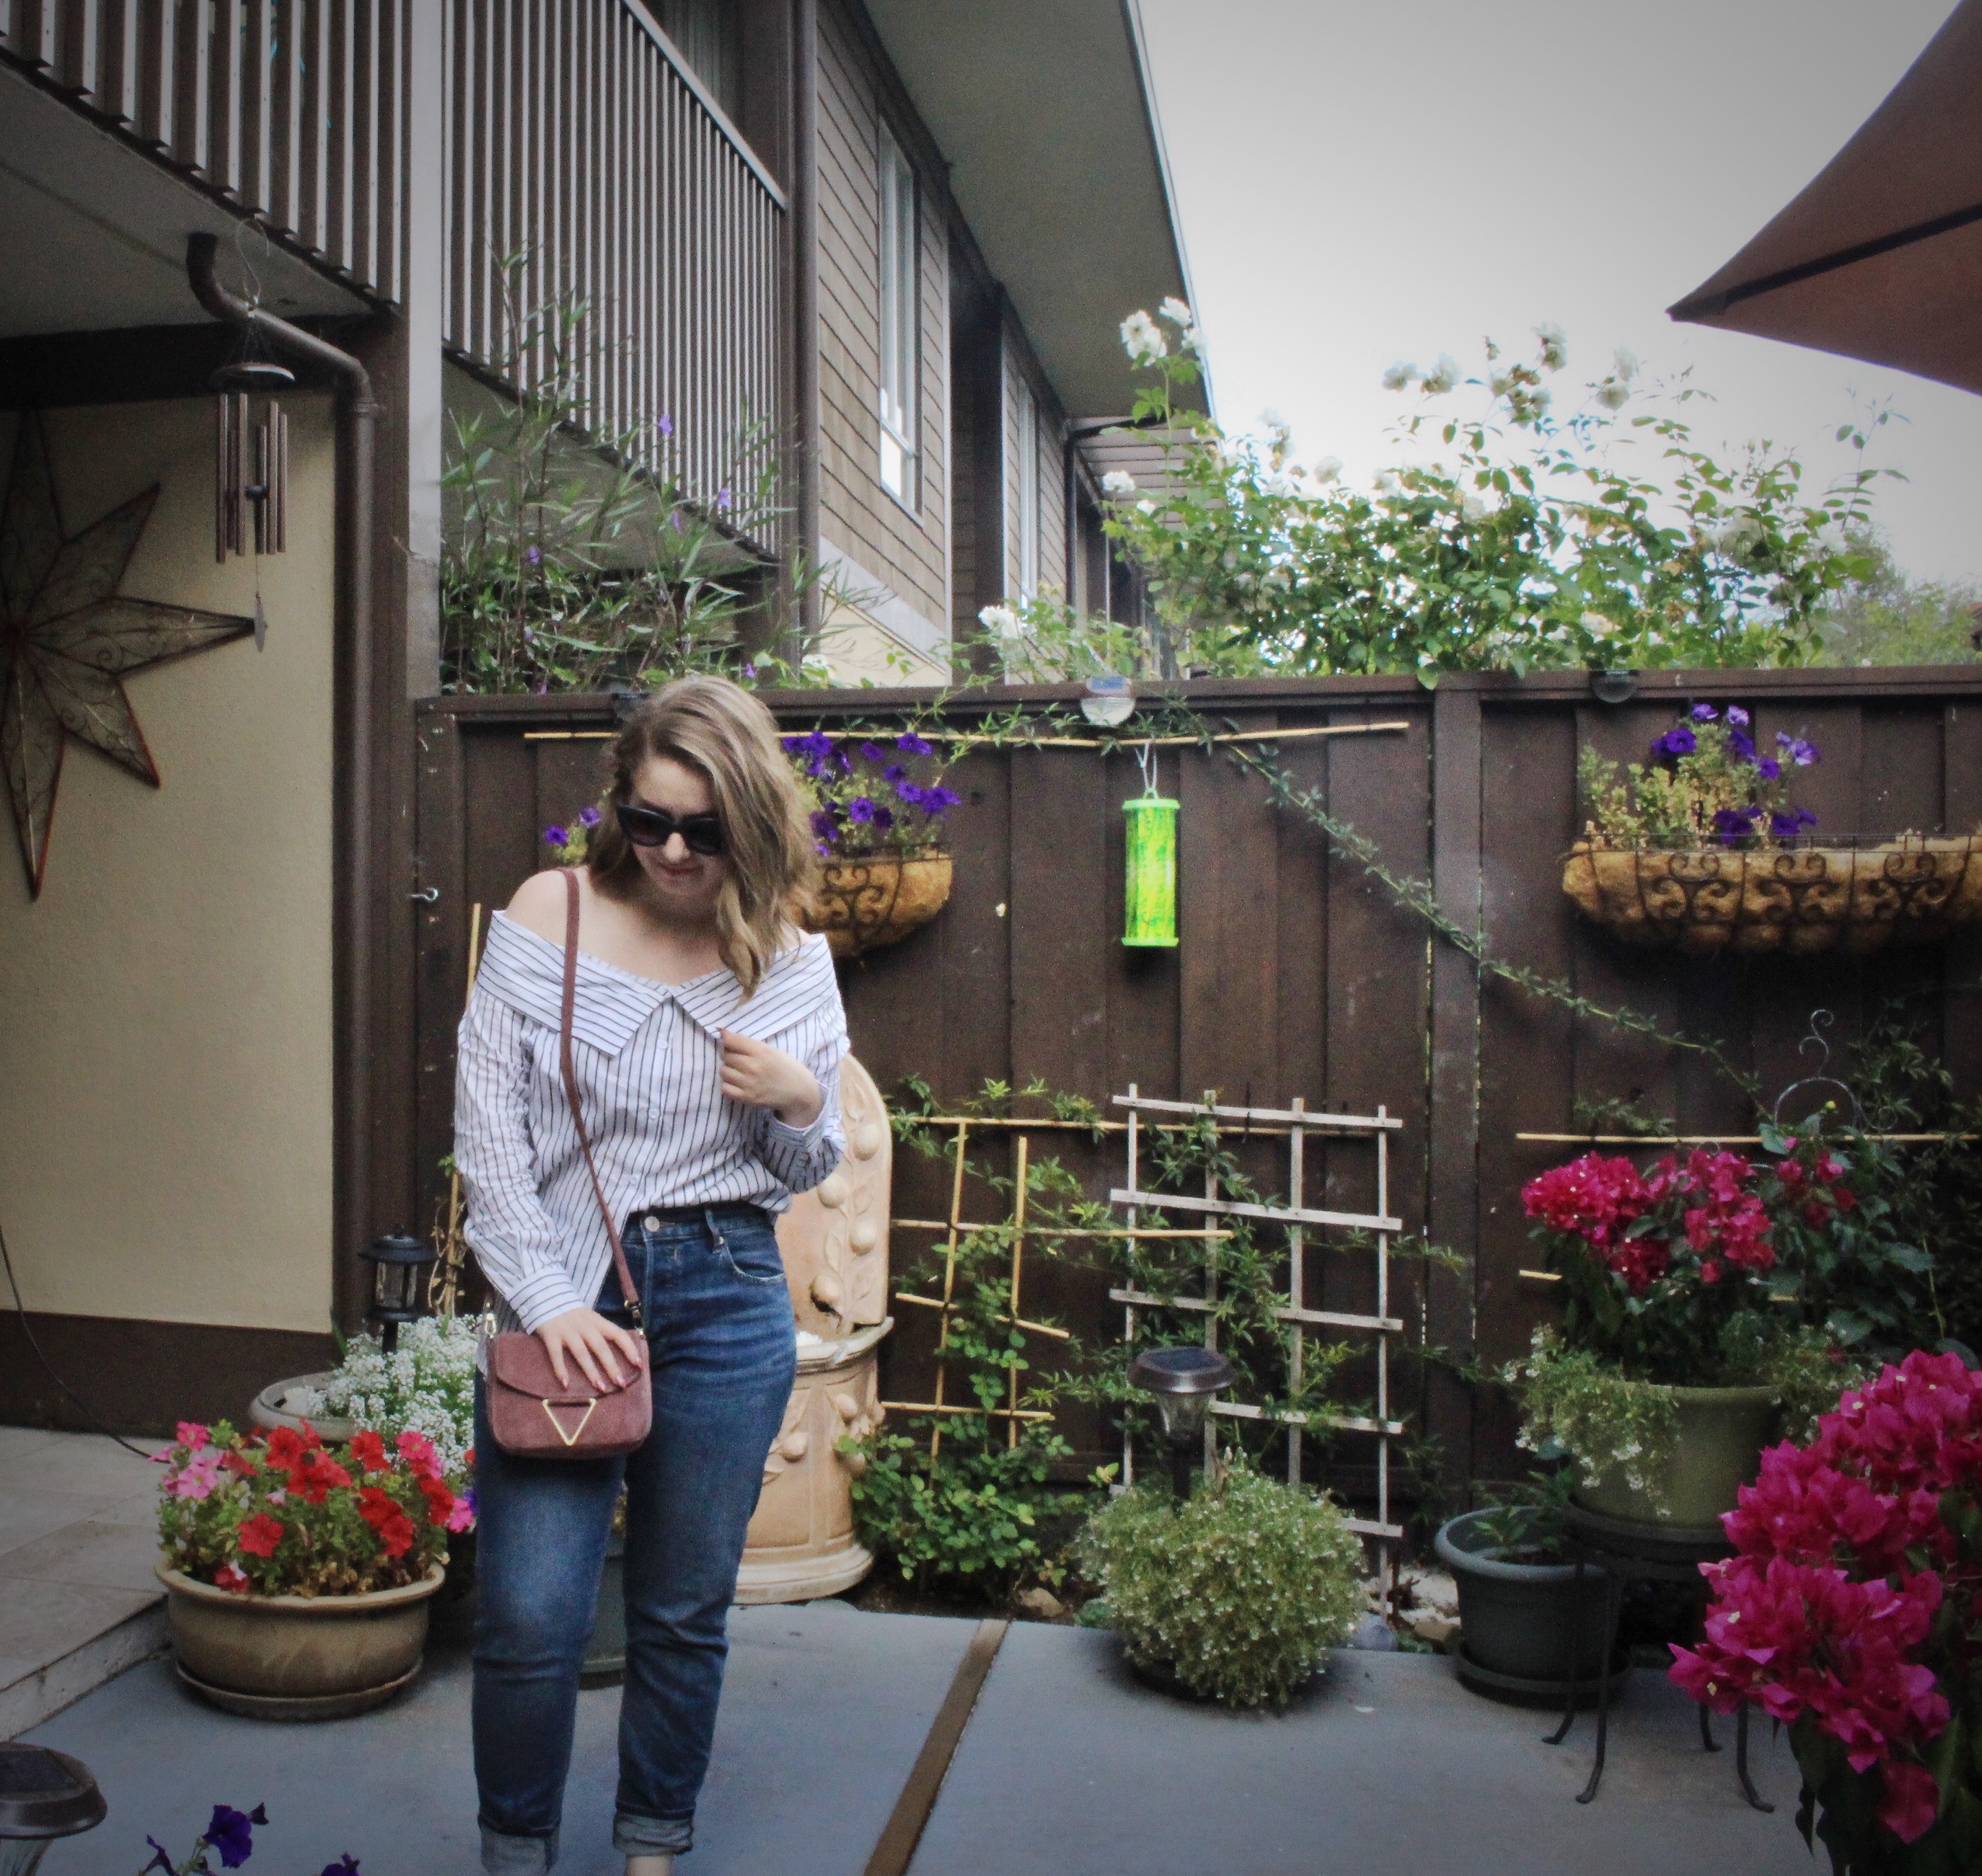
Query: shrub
pixel 1238 1592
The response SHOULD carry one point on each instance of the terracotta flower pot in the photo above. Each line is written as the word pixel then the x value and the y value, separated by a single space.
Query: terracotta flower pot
pixel 1717 1449
pixel 864 904
pixel 297 1657
pixel 1797 899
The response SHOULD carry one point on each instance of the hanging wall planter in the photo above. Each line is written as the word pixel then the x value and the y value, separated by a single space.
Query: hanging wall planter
pixel 1797 900
pixel 864 904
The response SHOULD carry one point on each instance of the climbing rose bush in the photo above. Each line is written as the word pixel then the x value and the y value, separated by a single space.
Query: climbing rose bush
pixel 281 1514
pixel 1849 1612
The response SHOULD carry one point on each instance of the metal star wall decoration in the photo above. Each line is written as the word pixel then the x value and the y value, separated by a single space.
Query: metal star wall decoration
pixel 67 640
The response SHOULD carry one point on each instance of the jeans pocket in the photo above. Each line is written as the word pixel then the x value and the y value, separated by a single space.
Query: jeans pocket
pixel 751 1254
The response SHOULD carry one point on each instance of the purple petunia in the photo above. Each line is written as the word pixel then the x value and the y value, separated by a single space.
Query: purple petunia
pixel 1703 713
pixel 1674 742
pixel 346 1865
pixel 894 771
pixel 861 808
pixel 161 1860
pixel 557 836
pixel 1786 823
pixel 910 792
pixel 1741 745
pixel 1768 767
pixel 816 745
pixel 874 752
pixel 1737 716
pixel 588 817
pixel 1733 824
pixel 825 822
pixel 1802 753
pixel 884 818
pixel 936 800
pixel 229 1834
pixel 909 741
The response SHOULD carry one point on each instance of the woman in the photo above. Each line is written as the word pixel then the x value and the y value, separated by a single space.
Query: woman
pixel 706 1039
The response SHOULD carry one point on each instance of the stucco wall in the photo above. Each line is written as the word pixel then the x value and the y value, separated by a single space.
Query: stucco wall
pixel 165 1005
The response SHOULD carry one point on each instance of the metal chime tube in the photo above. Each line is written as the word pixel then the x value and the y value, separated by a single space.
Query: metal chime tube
pixel 1151 895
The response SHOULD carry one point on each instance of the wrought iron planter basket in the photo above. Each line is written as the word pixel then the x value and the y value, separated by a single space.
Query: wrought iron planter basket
pixel 1844 896
pixel 864 904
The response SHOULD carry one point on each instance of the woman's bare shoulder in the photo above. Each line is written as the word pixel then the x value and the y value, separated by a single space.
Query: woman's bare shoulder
pixel 539 905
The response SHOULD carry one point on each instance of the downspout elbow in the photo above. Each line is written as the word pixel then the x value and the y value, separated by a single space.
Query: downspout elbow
pixel 355 381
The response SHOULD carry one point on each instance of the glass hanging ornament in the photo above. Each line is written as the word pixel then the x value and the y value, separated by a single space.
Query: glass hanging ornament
pixel 1150 898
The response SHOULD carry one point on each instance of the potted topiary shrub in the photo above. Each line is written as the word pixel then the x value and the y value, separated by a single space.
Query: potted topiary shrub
pixel 1675 1354
pixel 297 1577
pixel 1521 1608
pixel 1235 1594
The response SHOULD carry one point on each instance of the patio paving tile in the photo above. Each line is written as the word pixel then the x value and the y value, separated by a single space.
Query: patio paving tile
pixel 26 1515
pixel 80 1463
pixel 94 1551
pixel 825 1710
pixel 1070 1768
pixel 44 1621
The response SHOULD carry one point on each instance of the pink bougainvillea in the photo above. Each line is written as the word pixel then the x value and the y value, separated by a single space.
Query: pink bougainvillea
pixel 1848 1607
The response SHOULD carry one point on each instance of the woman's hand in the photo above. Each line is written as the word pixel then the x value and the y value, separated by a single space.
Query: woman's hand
pixel 759 1076
pixel 585 1337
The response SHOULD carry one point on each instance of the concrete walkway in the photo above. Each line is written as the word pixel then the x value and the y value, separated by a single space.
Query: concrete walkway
pixel 1068 1768
pixel 79 1536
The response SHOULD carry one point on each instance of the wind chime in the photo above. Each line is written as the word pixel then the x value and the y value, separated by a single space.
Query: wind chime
pixel 1150 898
pixel 251 507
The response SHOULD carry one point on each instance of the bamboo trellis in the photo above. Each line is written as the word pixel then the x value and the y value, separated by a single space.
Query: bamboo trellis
pixel 1297 1123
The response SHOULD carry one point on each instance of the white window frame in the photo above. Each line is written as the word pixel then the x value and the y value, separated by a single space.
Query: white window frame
pixel 901 324
pixel 1028 516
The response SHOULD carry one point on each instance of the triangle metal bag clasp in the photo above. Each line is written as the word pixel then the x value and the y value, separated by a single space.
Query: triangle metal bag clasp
pixel 570 1438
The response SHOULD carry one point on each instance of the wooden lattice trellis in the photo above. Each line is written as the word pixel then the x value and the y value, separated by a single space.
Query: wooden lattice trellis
pixel 1297 1123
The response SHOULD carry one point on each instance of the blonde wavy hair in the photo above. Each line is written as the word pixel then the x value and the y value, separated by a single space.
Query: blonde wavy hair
pixel 729 739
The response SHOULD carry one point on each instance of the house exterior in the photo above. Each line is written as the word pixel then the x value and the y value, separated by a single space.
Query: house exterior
pixel 904 230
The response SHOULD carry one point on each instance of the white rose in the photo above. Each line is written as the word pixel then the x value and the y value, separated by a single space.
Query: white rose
pixel 1596 624
pixel 1174 310
pixel 1472 508
pixel 1142 340
pixel 1328 470
pixel 1400 377
pixel 1555 345
pixel 1444 376
pixel 1626 363
pixel 1002 621
pixel 1118 481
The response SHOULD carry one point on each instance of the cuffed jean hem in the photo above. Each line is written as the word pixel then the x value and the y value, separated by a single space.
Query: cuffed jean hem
pixel 652 1837
pixel 503 1855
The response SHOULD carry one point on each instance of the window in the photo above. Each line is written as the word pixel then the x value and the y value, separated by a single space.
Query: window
pixel 900 296
pixel 1029 490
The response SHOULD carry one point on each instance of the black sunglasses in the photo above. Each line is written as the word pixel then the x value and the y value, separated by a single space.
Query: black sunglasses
pixel 701 833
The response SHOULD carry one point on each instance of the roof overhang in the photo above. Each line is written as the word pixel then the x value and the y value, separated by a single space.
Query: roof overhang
pixel 1881 257
pixel 96 231
pixel 1042 109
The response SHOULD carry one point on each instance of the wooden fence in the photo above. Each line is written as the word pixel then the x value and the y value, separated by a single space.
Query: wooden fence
pixel 1297 974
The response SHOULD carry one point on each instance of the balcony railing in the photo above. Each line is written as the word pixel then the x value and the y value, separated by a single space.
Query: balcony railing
pixel 294 110
pixel 586 164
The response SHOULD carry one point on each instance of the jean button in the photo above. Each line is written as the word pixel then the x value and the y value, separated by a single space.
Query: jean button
pixel 650 1222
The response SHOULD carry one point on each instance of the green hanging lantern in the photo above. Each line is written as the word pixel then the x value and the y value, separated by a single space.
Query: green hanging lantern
pixel 1152 884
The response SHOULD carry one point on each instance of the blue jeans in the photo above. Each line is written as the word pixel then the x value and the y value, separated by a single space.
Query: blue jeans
pixel 723 1348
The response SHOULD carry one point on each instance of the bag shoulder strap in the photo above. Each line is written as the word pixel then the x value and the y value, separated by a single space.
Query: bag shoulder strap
pixel 625 1276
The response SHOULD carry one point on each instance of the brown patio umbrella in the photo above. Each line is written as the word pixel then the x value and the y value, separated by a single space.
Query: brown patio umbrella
pixel 1881 257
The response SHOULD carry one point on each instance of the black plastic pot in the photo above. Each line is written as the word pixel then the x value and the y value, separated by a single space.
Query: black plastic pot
pixel 1518 1622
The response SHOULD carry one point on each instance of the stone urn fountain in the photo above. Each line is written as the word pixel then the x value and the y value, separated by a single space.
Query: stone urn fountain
pixel 835 1241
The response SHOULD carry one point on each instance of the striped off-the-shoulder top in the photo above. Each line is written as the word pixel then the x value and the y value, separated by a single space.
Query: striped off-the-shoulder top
pixel 647 1057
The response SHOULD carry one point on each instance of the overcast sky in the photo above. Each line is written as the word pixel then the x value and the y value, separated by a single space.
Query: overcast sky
pixel 1361 183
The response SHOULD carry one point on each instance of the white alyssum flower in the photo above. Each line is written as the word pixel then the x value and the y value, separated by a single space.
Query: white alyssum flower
pixel 1555 345
pixel 1002 621
pixel 1400 376
pixel 1142 340
pixel 1118 481
pixel 1444 376
pixel 426 1385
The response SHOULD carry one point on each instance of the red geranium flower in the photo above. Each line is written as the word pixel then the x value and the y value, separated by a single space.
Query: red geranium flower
pixel 260 1534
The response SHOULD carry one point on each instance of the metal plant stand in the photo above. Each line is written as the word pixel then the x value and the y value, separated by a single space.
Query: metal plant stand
pixel 1629 1552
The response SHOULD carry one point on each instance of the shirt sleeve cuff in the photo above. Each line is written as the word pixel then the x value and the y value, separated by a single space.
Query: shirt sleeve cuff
pixel 806 1137
pixel 538 1301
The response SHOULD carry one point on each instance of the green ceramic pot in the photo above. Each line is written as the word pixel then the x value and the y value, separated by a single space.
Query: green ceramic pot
pixel 1715 1451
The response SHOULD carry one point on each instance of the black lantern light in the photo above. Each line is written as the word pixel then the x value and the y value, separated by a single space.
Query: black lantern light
pixel 1183 1380
pixel 43 1794
pixel 399 1266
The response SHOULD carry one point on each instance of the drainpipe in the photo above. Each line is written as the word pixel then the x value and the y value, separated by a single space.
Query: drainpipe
pixel 804 195
pixel 357 427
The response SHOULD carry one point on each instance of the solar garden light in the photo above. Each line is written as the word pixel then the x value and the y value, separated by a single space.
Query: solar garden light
pixel 399 1266
pixel 43 1794
pixel 1183 1381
